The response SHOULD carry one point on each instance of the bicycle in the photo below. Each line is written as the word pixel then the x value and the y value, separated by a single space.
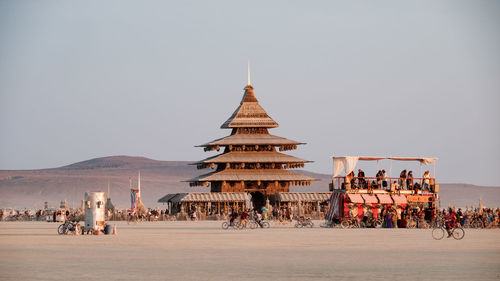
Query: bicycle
pixel 132 218
pixel 236 224
pixel 304 222
pixel 457 232
pixel 352 223
pixel 69 226
pixel 254 224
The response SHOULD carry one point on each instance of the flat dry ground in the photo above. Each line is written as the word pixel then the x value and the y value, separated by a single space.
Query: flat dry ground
pixel 203 251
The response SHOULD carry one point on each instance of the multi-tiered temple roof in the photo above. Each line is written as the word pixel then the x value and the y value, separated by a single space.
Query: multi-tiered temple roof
pixel 250 161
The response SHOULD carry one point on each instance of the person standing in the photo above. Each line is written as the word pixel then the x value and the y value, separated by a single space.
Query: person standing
pixel 384 180
pixel 409 180
pixel 361 179
pixel 402 179
pixel 426 180
pixel 379 177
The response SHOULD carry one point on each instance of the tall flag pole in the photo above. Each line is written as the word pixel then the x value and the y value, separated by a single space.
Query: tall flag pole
pixel 139 184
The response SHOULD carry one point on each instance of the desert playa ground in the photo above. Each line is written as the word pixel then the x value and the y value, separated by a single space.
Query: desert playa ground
pixel 203 251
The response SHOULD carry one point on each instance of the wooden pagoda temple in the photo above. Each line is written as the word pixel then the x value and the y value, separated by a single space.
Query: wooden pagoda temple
pixel 251 160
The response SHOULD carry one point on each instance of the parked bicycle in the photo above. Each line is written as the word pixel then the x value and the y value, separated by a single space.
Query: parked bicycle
pixel 304 222
pixel 69 227
pixel 352 223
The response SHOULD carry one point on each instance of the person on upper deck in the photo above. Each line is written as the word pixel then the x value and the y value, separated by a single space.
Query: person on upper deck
pixel 349 178
pixel 379 177
pixel 402 179
pixel 409 180
pixel 361 179
pixel 384 180
pixel 426 181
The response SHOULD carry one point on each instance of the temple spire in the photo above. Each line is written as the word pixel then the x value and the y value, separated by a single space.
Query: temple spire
pixel 248 73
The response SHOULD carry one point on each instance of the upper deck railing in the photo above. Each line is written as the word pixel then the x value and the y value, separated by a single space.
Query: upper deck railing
pixel 387 183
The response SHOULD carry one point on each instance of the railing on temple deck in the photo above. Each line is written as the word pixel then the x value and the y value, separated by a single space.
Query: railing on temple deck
pixel 391 184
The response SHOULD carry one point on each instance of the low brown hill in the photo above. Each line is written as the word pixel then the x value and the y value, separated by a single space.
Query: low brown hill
pixel 31 188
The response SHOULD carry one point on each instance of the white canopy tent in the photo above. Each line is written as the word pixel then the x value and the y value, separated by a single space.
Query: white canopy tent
pixel 348 163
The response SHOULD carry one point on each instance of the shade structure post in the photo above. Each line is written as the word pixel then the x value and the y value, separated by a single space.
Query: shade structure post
pixel 390 169
pixel 318 209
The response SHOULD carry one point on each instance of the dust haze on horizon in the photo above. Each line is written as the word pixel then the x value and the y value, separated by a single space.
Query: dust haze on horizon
pixel 81 80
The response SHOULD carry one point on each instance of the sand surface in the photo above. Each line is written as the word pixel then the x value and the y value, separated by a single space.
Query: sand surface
pixel 203 251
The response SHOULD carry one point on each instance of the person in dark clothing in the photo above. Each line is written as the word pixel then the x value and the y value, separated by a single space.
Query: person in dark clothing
pixel 450 221
pixel 402 180
pixel 409 180
pixel 361 179
pixel 233 216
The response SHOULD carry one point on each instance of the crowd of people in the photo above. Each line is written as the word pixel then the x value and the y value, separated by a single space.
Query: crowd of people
pixel 415 217
pixel 406 181
pixel 390 216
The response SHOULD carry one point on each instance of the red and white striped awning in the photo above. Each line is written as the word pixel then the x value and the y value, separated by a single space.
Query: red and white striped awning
pixel 205 197
pixel 355 198
pixel 303 196
pixel 384 198
pixel 399 199
pixel 370 199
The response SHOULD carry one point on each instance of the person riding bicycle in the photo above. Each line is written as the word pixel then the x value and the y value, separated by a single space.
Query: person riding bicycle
pixel 450 221
pixel 244 217
pixel 258 219
pixel 233 216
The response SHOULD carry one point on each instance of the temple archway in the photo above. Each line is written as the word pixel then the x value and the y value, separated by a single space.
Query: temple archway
pixel 258 200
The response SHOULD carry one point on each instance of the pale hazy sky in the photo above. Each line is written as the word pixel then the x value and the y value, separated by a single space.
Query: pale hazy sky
pixel 86 79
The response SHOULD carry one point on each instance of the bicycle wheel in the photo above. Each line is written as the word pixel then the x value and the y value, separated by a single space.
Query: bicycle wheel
pixel 361 224
pixel 78 229
pixel 345 224
pixel 265 224
pixel 411 224
pixel 60 229
pixel 478 224
pixel 297 225
pixel 252 225
pixel 377 224
pixel 458 233
pixel 225 225
pixel 438 233
pixel 423 225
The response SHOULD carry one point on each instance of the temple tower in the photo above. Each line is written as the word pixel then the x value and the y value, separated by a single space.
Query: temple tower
pixel 250 160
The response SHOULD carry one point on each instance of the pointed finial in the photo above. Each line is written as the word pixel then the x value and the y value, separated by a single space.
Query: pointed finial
pixel 248 73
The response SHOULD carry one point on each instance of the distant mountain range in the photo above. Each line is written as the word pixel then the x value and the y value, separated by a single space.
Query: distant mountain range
pixel 31 188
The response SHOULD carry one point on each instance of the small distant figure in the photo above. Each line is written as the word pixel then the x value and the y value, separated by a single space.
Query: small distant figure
pixel 361 179
pixel 409 180
pixel 349 178
pixel 402 179
pixel 379 177
pixel 233 217
pixel 426 181
pixel 384 180
pixel 244 217
pixel 450 221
